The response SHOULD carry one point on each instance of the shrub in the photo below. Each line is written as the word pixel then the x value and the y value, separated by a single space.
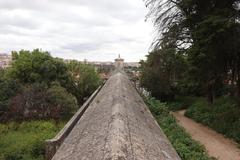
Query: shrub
pixel 222 115
pixel 25 141
pixel 181 103
pixel 8 89
pixel 38 86
pixel 187 148
pixel 38 102
pixel 85 80
pixel 38 66
pixel 3 129
pixel 58 96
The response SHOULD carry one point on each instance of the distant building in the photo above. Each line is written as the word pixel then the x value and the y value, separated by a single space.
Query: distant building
pixel 132 64
pixel 5 60
pixel 108 66
pixel 119 63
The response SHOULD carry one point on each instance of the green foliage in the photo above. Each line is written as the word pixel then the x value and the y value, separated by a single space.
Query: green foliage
pixel 207 33
pixel 38 67
pixel 58 96
pixel 85 80
pixel 222 115
pixel 180 103
pixel 25 141
pixel 160 73
pixel 40 86
pixel 8 88
pixel 187 148
pixel 37 101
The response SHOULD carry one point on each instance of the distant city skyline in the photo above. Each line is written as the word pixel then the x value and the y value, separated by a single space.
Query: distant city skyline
pixel 96 30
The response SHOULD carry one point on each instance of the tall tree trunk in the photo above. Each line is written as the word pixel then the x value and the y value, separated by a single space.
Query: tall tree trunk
pixel 238 89
pixel 233 79
pixel 210 92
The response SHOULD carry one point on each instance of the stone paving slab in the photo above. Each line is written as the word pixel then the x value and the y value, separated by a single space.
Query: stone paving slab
pixel 116 126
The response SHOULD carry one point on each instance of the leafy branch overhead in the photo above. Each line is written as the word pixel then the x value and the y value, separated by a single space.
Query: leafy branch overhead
pixel 205 34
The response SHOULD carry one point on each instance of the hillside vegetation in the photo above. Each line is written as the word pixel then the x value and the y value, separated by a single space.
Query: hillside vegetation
pixel 38 86
pixel 38 94
pixel 187 148
pixel 26 140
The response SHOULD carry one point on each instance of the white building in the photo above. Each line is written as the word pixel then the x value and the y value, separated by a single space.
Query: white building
pixel 119 63
pixel 5 60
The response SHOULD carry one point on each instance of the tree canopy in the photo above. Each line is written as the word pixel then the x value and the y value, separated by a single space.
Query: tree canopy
pixel 38 86
pixel 84 79
pixel 206 33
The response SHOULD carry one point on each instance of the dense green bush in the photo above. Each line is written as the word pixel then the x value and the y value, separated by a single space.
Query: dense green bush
pixel 38 86
pixel 180 103
pixel 38 66
pixel 8 88
pixel 36 101
pixel 160 73
pixel 25 141
pixel 84 78
pixel 222 115
pixel 67 103
pixel 187 148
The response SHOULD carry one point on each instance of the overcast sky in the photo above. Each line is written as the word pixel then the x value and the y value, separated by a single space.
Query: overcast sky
pixel 96 30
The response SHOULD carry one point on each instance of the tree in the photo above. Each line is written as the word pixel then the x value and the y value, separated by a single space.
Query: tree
pixel 38 67
pixel 85 80
pixel 161 73
pixel 8 88
pixel 38 86
pixel 65 102
pixel 36 101
pixel 206 32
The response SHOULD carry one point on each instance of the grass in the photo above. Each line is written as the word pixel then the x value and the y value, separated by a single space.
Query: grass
pixel 222 115
pixel 25 141
pixel 186 147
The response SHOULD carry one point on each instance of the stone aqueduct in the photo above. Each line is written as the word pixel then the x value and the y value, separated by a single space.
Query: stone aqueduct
pixel 114 124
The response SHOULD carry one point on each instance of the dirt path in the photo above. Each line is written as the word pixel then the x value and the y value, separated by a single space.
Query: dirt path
pixel 216 144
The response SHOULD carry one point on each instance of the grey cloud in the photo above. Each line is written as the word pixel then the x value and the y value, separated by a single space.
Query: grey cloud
pixel 25 4
pixel 92 27
pixel 20 22
pixel 82 47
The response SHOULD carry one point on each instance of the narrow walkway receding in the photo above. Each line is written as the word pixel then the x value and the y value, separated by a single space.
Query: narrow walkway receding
pixel 117 125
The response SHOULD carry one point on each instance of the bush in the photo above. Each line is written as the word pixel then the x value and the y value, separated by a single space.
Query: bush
pixel 85 80
pixel 187 148
pixel 222 115
pixel 38 102
pixel 8 88
pixel 25 141
pixel 58 96
pixel 181 103
pixel 38 86
pixel 38 66
pixel 3 129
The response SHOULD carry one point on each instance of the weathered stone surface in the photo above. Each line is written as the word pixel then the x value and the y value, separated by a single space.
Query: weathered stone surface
pixel 53 144
pixel 116 126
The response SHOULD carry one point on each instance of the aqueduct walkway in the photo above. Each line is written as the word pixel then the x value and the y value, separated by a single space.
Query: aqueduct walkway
pixel 116 126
